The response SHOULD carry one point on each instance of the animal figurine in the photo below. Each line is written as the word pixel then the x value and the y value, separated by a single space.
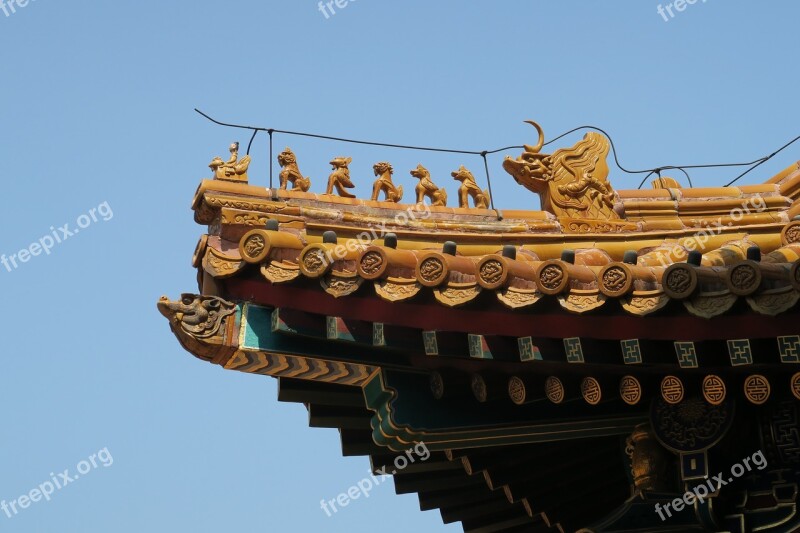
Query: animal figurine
pixel 426 187
pixel 340 177
pixel 469 188
pixel 384 183
pixel 572 182
pixel 232 170
pixel 290 172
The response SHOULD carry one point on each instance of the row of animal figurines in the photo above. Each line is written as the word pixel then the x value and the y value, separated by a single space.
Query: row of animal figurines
pixel 339 180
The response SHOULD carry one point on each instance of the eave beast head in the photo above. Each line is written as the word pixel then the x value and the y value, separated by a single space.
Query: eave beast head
pixel 200 317
pixel 572 182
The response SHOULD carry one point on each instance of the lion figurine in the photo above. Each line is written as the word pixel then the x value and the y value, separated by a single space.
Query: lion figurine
pixel 340 177
pixel 384 183
pixel 426 187
pixel 290 172
pixel 470 188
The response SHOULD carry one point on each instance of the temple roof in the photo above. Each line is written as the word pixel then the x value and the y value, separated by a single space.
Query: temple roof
pixel 748 248
pixel 517 345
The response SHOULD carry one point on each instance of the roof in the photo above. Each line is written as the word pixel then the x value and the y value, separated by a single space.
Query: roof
pixel 499 337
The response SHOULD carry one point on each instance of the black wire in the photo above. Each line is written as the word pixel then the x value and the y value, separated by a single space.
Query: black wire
pixel 270 157
pixel 342 139
pixel 752 164
pixel 645 178
pixel 255 132
pixel 489 181
pixel 764 160
pixel 652 170
pixel 658 171
pixel 688 177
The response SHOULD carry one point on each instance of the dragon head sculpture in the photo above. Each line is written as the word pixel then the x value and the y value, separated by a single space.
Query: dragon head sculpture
pixel 200 317
pixel 573 182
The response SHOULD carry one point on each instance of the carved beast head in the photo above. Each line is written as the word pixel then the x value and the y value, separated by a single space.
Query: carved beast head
pixel 286 157
pixel 382 168
pixel 535 171
pixel 341 162
pixel 199 316
pixel 420 172
pixel 532 169
pixel 463 175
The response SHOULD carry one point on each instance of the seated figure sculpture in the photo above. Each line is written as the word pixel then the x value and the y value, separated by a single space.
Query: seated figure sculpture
pixel 234 169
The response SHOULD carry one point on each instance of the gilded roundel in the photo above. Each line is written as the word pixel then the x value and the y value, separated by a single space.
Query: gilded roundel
pixel 757 389
pixel 744 279
pixel 554 389
pixel 791 234
pixel 616 281
pixel 552 279
pixel 431 270
pixel 254 246
pixel 796 385
pixel 679 281
pixel 591 391
pixel 372 264
pixel 714 390
pixel 672 390
pixel 516 390
pixel 314 263
pixel 491 272
pixel 630 390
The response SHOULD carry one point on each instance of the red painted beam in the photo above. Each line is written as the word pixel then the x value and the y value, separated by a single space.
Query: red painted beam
pixel 435 317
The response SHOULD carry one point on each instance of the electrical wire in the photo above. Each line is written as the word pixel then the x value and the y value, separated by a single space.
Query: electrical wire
pixel 483 153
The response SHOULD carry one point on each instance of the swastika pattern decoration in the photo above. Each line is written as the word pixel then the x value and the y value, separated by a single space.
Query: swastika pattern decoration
pixel 574 350
pixel 789 348
pixel 429 340
pixel 687 354
pixel 740 352
pixel 631 352
pixel 527 351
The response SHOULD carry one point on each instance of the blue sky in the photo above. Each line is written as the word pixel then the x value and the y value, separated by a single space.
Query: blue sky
pixel 96 110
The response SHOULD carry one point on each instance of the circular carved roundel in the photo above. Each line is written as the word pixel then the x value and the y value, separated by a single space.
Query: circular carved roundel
pixel 672 390
pixel 591 391
pixel 714 390
pixel 630 390
pixel 796 385
pixel 554 390
pixel 371 263
pixel 757 389
pixel 492 272
pixel 516 389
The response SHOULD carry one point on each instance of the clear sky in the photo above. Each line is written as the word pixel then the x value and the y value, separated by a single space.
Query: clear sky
pixel 96 114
